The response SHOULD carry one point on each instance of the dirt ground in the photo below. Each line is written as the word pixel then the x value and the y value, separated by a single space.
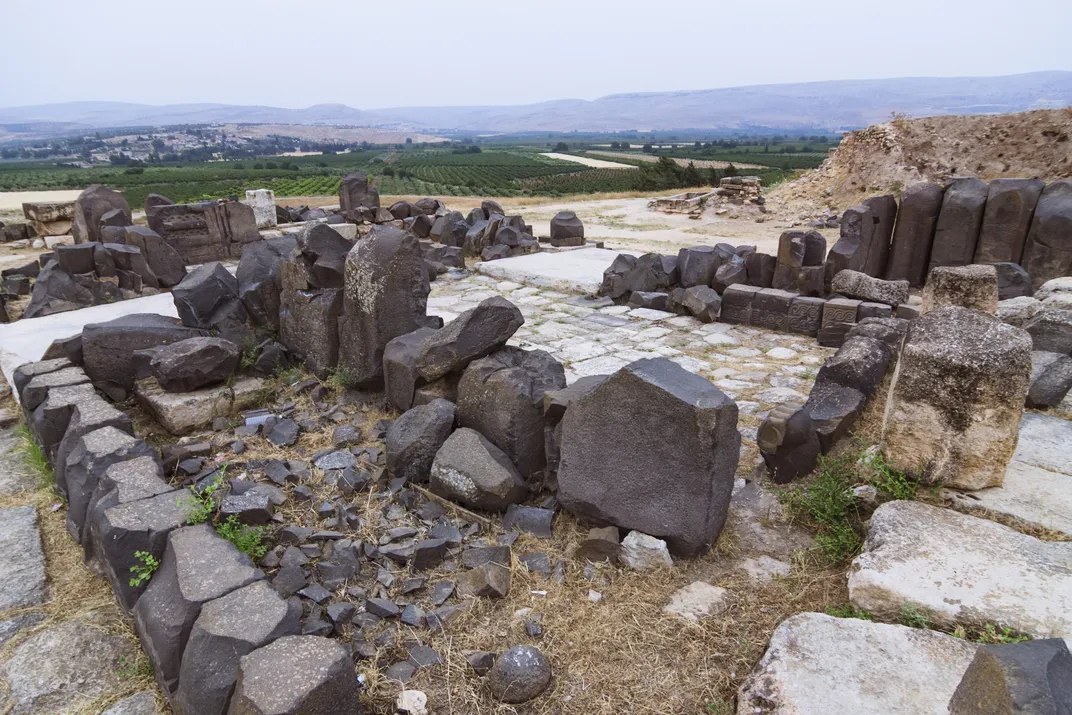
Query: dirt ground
pixel 886 157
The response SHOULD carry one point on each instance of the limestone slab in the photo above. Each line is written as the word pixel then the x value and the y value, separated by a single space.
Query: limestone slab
pixel 962 569
pixel 821 665
pixel 579 271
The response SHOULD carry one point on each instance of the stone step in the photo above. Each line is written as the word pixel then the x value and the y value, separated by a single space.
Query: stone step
pixel 962 569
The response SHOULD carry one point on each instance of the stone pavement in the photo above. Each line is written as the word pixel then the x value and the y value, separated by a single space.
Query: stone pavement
pixel 576 271
pixel 758 369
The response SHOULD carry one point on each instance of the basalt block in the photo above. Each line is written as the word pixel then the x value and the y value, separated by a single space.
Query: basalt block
pixel 672 479
pixel 957 231
pixel 917 218
pixel 198 566
pixel 1048 251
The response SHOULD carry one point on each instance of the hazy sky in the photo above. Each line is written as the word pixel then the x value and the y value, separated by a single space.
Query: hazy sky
pixel 437 52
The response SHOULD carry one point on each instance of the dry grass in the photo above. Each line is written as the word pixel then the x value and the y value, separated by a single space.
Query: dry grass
pixel 620 654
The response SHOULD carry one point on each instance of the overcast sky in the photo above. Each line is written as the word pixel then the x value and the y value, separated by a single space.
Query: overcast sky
pixel 437 52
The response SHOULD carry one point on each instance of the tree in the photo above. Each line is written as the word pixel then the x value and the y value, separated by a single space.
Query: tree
pixel 562 146
pixel 409 140
pixel 646 148
pixel 691 175
pixel 730 170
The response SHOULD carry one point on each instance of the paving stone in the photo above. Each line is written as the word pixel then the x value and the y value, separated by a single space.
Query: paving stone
pixel 821 665
pixel 75 661
pixel 960 568
pixel 22 569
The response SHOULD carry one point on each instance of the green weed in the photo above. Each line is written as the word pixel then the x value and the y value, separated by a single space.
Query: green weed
pixel 849 611
pixel 143 571
pixel 914 616
pixel 720 707
pixel 990 634
pixel 137 667
pixel 342 378
pixel 891 482
pixel 35 458
pixel 201 505
pixel 828 506
pixel 247 539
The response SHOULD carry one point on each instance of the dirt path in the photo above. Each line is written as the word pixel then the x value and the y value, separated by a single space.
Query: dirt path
pixel 593 163
pixel 698 163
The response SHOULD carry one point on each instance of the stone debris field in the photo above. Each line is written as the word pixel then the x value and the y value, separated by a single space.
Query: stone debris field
pixel 364 459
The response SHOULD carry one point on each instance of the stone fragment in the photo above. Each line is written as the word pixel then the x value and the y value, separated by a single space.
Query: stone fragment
pixel 260 278
pixel 1052 384
pixel 90 206
pixel 642 552
pixel 852 247
pixel 956 569
pixel 227 629
pixel 415 437
pixel 959 222
pixel 400 367
pixel 601 544
pixel 652 301
pixel 143 703
pixel 840 311
pixel 474 334
pixel 703 302
pixel 733 271
pixel 355 194
pixel 883 213
pixel 672 478
pixel 698 265
pixel 855 284
pixel 821 665
pixel 474 472
pixel 954 408
pixel 309 318
pixel 194 363
pixel 207 298
pixel 1027 677
pixel 386 296
pixel 198 566
pixel 529 519
pixel 974 286
pixel 1051 330
pixel 654 273
pixel 296 675
pixel 788 443
pixel 109 347
pixel 737 304
pixel 697 600
pixel 164 261
pixel 1048 251
pixel 616 282
pixel 1017 311
pixel 490 580
pixel 519 674
pixel 761 268
pixel 501 397
pixel 1013 281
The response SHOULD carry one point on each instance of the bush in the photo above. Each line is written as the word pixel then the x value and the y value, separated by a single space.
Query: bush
pixel 143 571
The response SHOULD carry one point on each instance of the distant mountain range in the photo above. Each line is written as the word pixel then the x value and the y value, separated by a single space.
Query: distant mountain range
pixel 834 105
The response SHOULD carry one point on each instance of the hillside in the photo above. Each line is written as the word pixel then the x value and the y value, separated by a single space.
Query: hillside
pixel 820 106
pixel 885 157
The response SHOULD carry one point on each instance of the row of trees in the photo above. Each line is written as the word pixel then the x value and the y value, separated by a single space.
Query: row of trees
pixel 668 174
